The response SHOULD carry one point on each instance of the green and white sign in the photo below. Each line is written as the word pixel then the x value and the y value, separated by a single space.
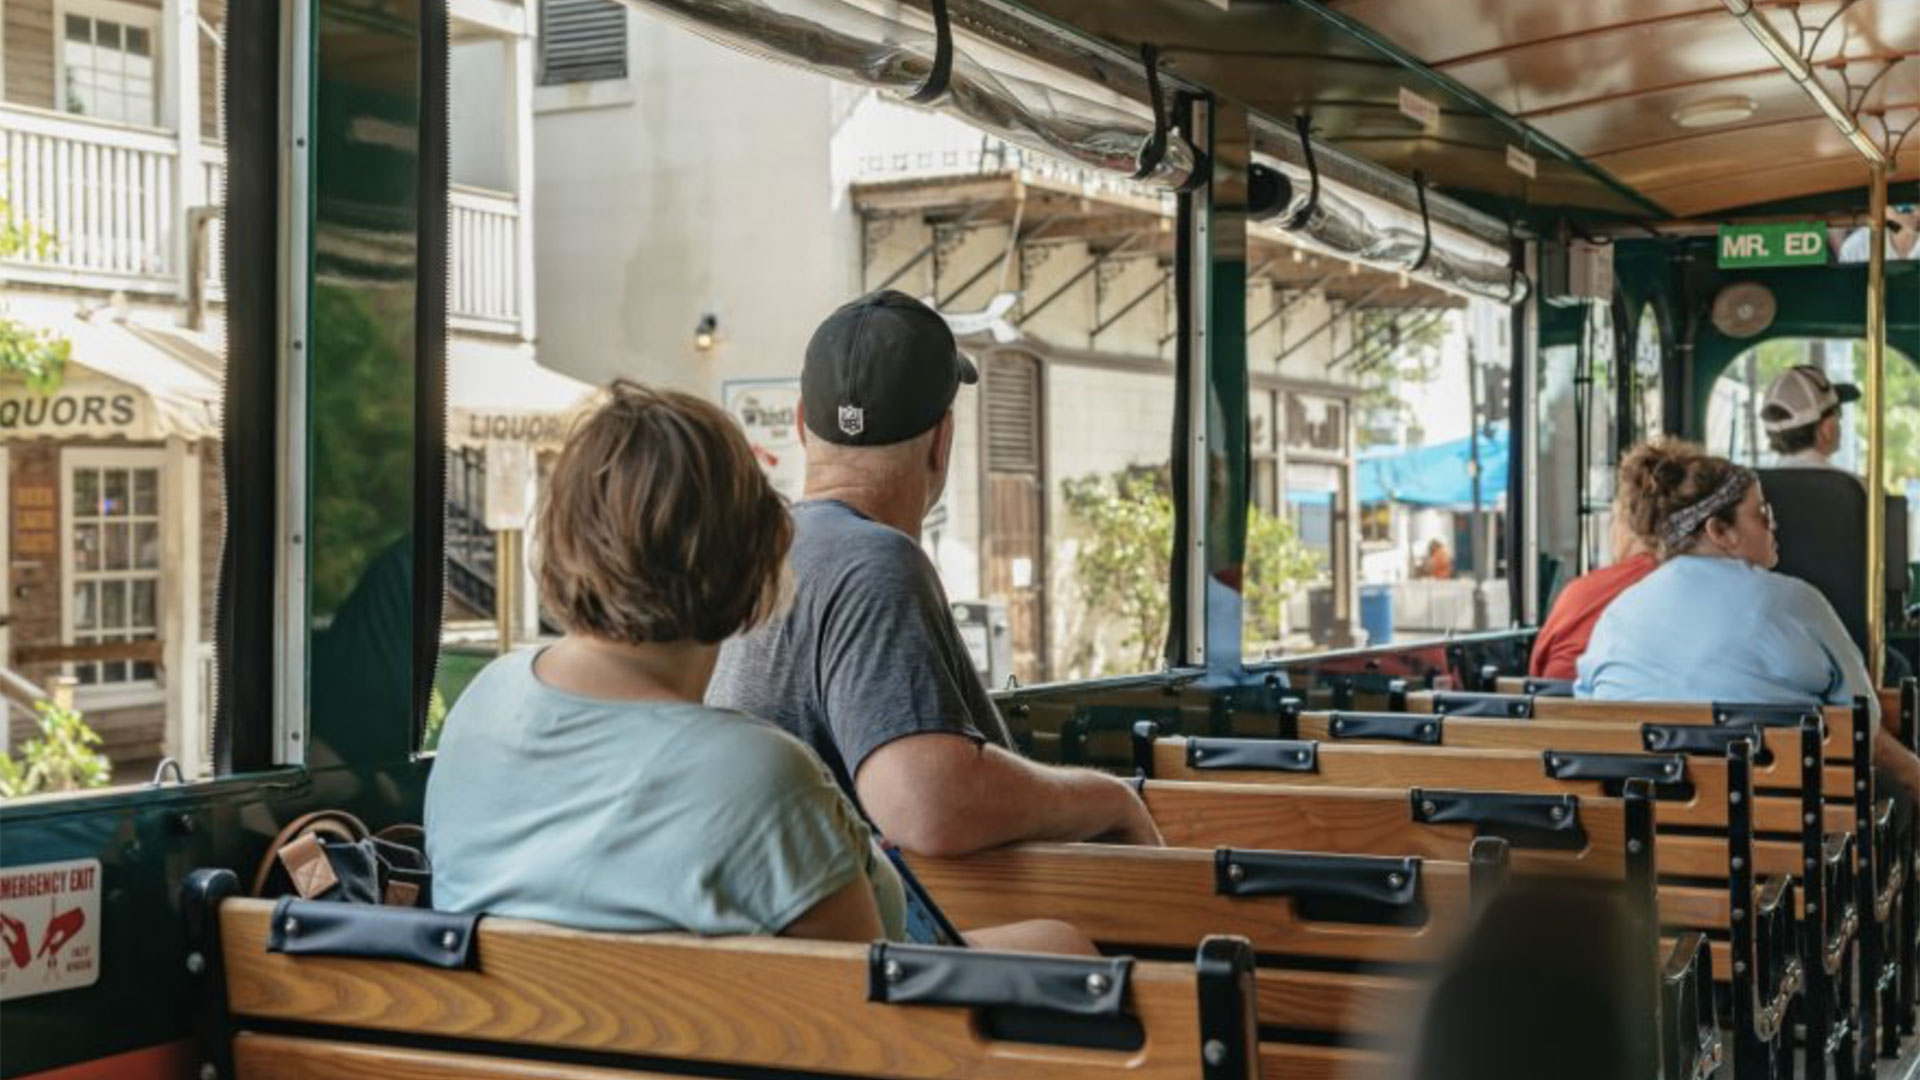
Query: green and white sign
pixel 1745 247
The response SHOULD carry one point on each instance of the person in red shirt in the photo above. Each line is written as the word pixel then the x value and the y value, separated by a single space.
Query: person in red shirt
pixel 1563 637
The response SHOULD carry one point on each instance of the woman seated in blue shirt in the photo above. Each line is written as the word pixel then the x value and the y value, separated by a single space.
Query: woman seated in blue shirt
pixel 585 784
pixel 1714 622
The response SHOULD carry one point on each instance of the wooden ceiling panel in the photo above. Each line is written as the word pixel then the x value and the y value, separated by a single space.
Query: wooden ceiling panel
pixel 1788 180
pixel 1572 71
pixel 1647 119
pixel 1466 28
pixel 1730 153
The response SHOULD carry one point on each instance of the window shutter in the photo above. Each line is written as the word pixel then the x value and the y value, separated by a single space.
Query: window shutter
pixel 1012 392
pixel 582 40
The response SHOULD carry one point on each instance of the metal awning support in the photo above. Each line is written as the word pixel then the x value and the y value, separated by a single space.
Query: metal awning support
pixel 1293 300
pixel 1369 363
pixel 1371 337
pixel 1079 275
pixel 932 246
pixel 999 260
pixel 1128 307
pixel 1327 324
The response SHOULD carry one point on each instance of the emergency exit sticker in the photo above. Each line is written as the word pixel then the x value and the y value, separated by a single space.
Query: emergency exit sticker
pixel 49 928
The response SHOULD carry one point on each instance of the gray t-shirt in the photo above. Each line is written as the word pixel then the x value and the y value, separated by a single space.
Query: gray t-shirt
pixel 869 652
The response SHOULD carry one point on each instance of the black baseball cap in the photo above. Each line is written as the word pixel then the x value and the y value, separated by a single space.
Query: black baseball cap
pixel 881 370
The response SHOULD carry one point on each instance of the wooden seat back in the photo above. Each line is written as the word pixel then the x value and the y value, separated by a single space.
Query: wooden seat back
pixel 638 1005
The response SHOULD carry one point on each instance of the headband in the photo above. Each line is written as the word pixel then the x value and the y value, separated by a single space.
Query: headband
pixel 1683 523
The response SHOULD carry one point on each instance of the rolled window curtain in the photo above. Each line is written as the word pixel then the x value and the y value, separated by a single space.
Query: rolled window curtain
pixel 846 41
pixel 1374 217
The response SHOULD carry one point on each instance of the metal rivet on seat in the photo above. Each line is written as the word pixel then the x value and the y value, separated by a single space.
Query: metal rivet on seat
pixel 1198 753
pixel 1633 847
pixel 1552 762
pixel 1236 873
pixel 893 972
pixel 1810 819
pixel 1426 729
pixel 449 941
pixel 1673 768
pixel 1738 862
pixel 1734 798
pixel 196 963
pixel 1806 763
pixel 1299 755
pixel 1429 809
pixel 1338 726
pixel 1097 984
pixel 1215 1052
pixel 291 926
pixel 209 1071
pixel 1396 879
pixel 1558 813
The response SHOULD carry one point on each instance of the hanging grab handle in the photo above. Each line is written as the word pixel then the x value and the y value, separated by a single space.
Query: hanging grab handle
pixel 942 72
pixel 1426 221
pixel 1156 149
pixel 1304 125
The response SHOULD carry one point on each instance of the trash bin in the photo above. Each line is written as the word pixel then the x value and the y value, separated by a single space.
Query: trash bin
pixel 1320 613
pixel 1376 613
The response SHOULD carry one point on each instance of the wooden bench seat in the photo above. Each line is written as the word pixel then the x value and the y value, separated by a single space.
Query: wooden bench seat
pixel 530 995
pixel 1712 800
pixel 1150 901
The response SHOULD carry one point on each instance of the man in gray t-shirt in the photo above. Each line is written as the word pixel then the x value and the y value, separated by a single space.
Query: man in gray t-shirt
pixel 867 667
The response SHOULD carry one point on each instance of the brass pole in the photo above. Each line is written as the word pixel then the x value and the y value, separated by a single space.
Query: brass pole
pixel 506 581
pixel 1876 407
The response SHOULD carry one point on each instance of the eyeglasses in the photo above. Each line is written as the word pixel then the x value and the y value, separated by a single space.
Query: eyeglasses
pixel 1766 512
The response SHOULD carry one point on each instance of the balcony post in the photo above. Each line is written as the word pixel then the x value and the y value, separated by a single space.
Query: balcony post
pixel 523 74
pixel 180 81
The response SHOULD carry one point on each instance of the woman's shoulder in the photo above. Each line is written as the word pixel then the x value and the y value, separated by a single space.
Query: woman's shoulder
pixel 749 751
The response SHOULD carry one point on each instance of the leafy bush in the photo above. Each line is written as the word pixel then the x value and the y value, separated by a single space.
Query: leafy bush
pixel 66 757
pixel 35 355
pixel 1124 566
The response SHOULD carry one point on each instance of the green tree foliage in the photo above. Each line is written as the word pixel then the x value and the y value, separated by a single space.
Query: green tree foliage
pixel 1393 361
pixel 1124 565
pixel 65 757
pixel 37 356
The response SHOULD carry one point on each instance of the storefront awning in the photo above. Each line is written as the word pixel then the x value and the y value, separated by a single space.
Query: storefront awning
pixel 126 378
pixel 501 393
pixel 1439 476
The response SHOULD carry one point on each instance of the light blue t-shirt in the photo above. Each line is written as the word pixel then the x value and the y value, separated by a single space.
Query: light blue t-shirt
pixel 636 816
pixel 1702 628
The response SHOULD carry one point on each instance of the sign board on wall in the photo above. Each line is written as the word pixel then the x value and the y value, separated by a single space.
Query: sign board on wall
pixel 1745 247
pixel 768 410
pixel 509 485
pixel 49 928
pixel 76 410
pixel 36 522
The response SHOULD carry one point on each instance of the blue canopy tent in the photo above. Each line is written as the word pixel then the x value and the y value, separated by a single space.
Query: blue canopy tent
pixel 1439 476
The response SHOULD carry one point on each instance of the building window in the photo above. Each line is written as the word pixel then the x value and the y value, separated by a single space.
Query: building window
pixel 113 561
pixel 107 68
pixel 582 41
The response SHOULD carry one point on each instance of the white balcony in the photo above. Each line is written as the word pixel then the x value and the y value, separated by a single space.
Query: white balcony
pixel 105 204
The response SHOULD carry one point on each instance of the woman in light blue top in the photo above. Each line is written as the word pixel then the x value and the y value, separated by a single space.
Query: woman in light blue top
pixel 585 784
pixel 1714 622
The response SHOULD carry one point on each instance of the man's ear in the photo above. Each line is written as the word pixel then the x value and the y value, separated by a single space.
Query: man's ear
pixel 940 451
pixel 800 421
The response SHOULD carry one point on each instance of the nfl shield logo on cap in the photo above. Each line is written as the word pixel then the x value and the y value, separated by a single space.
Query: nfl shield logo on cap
pixel 853 419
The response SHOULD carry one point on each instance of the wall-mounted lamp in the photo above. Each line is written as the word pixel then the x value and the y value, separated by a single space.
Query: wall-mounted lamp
pixel 704 331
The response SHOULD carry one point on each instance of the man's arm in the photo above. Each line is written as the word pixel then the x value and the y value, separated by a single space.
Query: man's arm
pixel 945 795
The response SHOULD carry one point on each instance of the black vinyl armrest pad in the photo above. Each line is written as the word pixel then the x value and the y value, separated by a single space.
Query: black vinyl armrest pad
pixel 1507 706
pixel 1395 727
pixel 1272 755
pixel 1763 715
pixel 1365 889
pixel 933 975
pixel 1547 813
pixel 1554 688
pixel 373 931
pixel 1660 769
pixel 1695 738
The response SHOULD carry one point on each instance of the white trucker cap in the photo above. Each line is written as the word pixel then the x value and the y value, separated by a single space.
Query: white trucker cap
pixel 1801 396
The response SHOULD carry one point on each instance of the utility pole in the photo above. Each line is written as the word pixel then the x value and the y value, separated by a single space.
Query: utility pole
pixel 1477 524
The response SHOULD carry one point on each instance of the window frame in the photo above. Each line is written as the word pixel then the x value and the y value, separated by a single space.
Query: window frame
pixel 124 14
pixel 133 693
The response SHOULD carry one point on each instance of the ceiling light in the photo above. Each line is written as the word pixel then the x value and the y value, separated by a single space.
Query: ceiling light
pixel 1714 112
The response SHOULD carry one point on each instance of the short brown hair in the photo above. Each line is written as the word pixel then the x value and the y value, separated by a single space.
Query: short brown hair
pixel 1660 478
pixel 657 524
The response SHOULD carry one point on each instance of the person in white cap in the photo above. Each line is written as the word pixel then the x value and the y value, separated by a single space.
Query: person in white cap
pixel 1801 413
